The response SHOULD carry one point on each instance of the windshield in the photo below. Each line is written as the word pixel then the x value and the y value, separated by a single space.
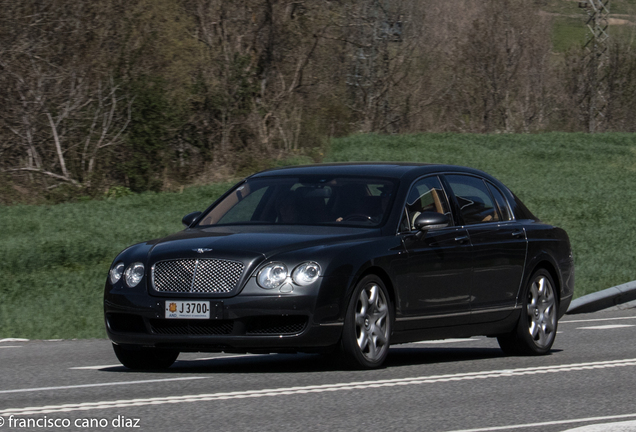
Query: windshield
pixel 350 201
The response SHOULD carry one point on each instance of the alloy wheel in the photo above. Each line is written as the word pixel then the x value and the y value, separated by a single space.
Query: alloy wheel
pixel 541 311
pixel 371 327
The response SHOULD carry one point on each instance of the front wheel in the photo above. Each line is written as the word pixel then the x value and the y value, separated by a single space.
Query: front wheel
pixel 537 325
pixel 367 329
pixel 145 358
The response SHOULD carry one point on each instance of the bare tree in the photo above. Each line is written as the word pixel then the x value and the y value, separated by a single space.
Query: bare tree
pixel 50 120
pixel 503 59
pixel 52 99
pixel 257 55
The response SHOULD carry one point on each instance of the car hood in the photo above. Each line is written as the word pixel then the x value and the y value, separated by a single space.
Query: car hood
pixel 250 243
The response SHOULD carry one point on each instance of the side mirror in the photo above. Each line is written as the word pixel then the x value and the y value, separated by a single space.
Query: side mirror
pixel 429 220
pixel 190 218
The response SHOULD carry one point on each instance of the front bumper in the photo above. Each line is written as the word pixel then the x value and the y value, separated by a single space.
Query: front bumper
pixel 244 323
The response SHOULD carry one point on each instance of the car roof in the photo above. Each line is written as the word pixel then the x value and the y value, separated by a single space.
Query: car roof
pixel 396 170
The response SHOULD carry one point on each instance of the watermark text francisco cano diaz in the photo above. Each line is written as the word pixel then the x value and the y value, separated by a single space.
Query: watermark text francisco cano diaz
pixel 45 422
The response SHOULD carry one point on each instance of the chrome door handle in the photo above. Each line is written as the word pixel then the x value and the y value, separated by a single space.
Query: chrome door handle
pixel 461 239
pixel 518 233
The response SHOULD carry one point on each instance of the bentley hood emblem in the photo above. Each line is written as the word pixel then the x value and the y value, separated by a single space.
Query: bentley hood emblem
pixel 201 250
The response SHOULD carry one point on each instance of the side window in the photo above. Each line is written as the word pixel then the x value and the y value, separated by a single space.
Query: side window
pixel 502 203
pixel 474 199
pixel 425 195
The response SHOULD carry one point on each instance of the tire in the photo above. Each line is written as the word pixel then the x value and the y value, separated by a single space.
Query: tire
pixel 537 326
pixel 145 358
pixel 368 324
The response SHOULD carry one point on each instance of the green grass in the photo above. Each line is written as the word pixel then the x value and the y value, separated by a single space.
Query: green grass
pixel 568 33
pixel 54 259
pixel 569 29
pixel 568 7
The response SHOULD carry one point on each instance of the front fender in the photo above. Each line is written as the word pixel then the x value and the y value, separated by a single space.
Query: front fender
pixel 346 268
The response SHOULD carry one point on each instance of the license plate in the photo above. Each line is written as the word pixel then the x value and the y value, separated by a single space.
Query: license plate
pixel 187 309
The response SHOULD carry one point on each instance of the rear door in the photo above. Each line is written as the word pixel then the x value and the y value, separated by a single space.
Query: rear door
pixel 499 246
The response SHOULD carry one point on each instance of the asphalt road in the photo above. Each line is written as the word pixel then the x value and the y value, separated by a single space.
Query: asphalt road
pixel 587 383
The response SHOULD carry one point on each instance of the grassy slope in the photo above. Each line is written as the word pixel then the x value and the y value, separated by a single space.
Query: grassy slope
pixel 569 22
pixel 54 259
pixel 583 183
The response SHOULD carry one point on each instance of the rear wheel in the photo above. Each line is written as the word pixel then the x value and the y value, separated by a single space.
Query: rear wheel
pixel 367 329
pixel 145 358
pixel 537 325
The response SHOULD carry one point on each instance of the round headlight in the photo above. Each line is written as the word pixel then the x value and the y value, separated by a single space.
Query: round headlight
pixel 134 274
pixel 116 272
pixel 306 273
pixel 272 275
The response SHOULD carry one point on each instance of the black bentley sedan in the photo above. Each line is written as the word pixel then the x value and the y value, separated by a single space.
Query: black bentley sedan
pixel 346 258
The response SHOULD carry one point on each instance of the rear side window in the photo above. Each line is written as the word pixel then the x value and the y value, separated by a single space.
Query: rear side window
pixel 500 200
pixel 475 201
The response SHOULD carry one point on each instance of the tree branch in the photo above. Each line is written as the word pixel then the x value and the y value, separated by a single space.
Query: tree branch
pixel 47 173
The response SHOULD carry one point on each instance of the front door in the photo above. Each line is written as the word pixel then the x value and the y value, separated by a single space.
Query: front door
pixel 435 289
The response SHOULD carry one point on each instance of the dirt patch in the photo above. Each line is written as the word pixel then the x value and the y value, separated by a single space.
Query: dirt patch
pixel 619 21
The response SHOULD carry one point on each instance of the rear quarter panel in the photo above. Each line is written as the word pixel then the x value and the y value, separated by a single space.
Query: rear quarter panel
pixel 549 247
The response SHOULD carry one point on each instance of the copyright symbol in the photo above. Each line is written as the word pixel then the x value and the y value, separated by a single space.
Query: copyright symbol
pixel 1 421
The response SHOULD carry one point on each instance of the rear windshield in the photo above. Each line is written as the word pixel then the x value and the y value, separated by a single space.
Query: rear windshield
pixel 351 201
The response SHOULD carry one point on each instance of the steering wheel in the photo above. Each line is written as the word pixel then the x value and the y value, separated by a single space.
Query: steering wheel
pixel 357 216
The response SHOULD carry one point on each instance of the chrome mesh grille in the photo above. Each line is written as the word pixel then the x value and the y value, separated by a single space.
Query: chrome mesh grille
pixel 196 275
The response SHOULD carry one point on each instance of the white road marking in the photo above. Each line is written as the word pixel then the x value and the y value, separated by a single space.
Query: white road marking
pixel 97 367
pixel 550 423
pixel 11 346
pixel 597 319
pixel 607 427
pixel 13 340
pixel 223 357
pixel 99 385
pixel 605 327
pixel 445 341
pixel 87 406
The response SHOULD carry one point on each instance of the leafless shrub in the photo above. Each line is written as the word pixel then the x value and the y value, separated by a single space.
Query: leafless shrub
pixel 172 90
